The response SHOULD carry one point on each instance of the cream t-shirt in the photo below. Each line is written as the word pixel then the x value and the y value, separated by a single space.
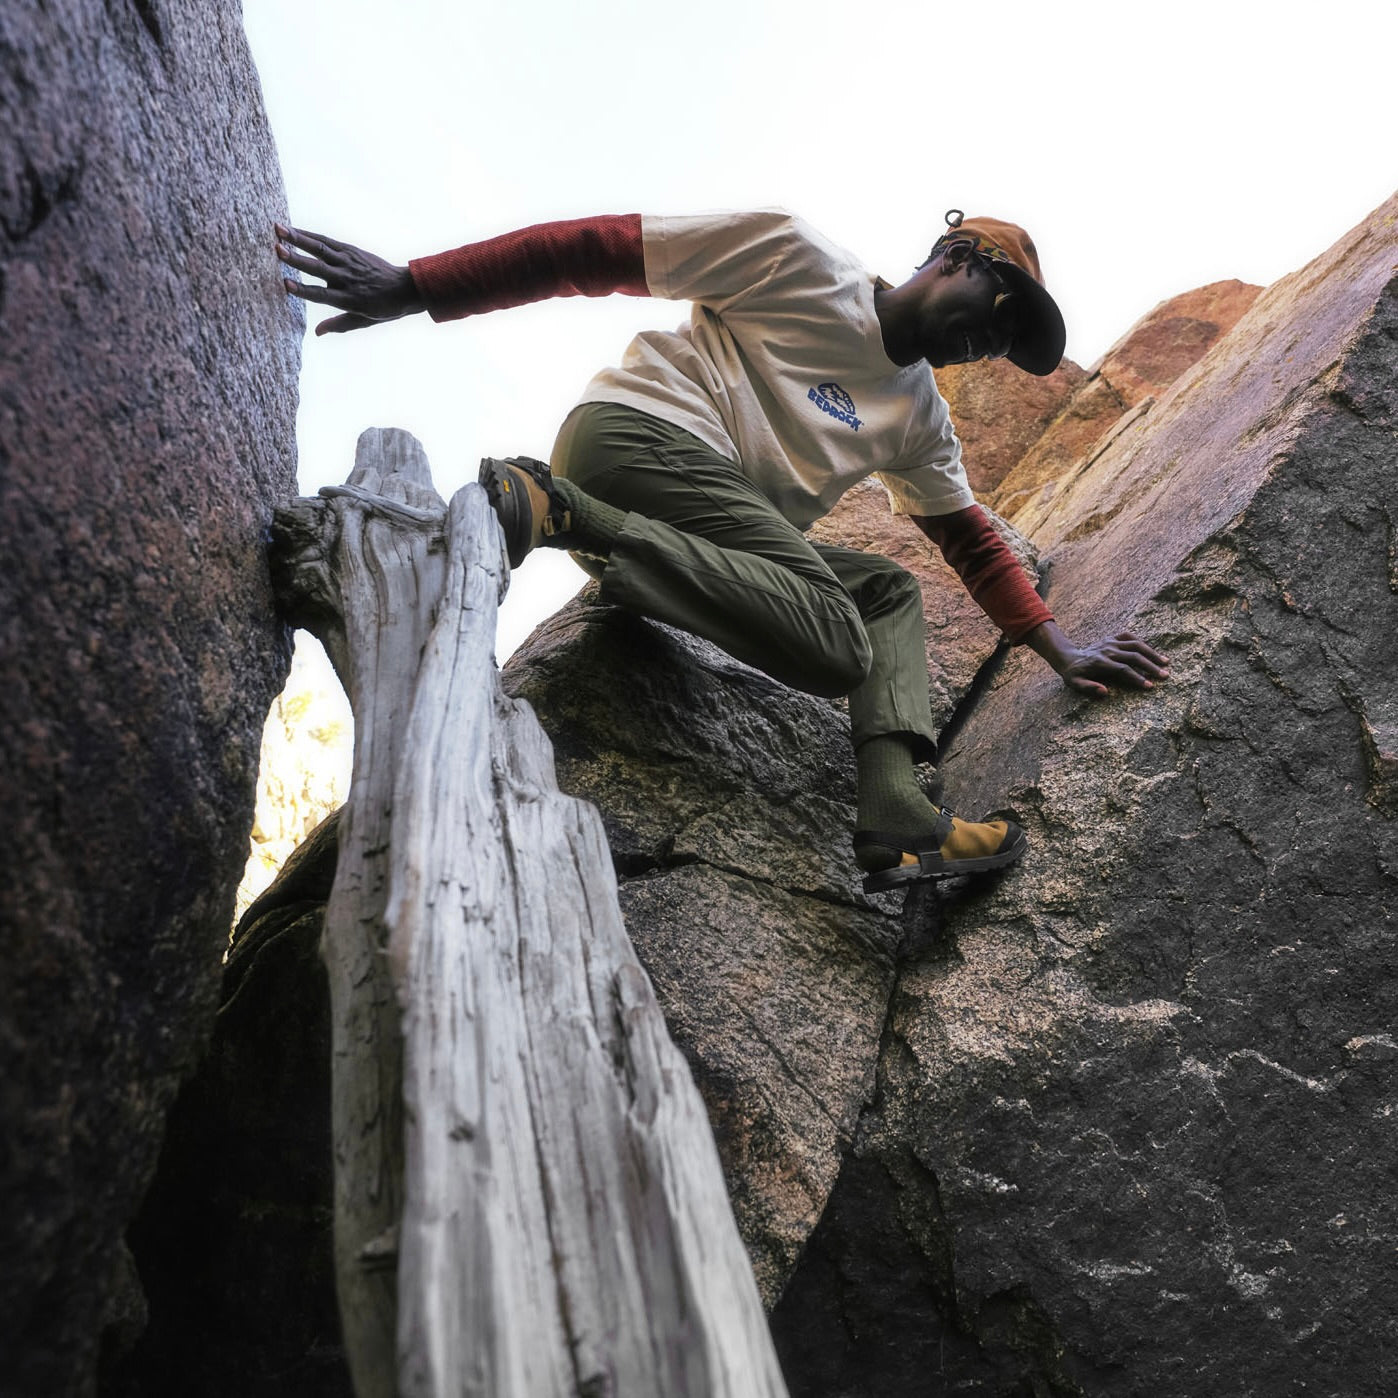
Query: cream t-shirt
pixel 781 368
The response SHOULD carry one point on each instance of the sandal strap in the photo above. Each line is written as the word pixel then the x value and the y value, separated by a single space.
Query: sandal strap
pixel 559 519
pixel 925 845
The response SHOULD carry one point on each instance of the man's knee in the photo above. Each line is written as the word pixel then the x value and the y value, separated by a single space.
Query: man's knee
pixel 846 663
pixel 888 586
pixel 891 576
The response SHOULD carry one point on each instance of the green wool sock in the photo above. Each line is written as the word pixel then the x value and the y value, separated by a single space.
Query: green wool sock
pixel 890 796
pixel 892 802
pixel 595 524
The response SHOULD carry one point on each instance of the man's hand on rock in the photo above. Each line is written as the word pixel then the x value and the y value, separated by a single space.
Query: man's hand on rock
pixel 1124 662
pixel 366 288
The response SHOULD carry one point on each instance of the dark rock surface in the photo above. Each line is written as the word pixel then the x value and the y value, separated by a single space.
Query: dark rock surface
pixel 234 1240
pixel 728 804
pixel 147 401
pixel 1135 1108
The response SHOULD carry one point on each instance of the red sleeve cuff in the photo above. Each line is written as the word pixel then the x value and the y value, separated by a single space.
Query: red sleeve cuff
pixel 992 574
pixel 578 257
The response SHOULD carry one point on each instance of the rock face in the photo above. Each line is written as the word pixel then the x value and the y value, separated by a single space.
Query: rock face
pixel 147 397
pixel 1132 374
pixel 1120 1122
pixel 729 807
pixel 1172 338
pixel 1133 1133
pixel 234 1240
pixel 726 800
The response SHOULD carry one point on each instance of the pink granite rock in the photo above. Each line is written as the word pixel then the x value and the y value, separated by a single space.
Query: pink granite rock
pixel 1134 372
pixel 1000 412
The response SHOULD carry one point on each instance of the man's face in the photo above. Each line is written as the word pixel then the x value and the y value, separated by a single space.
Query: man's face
pixel 964 310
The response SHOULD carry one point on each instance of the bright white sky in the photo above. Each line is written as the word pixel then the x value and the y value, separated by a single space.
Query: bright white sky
pixel 1149 149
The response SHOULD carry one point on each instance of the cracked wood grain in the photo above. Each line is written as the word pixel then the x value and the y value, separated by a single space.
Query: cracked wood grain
pixel 528 1197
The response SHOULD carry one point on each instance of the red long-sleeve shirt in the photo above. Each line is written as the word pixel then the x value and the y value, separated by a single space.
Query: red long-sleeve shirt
pixel 601 255
pixel 577 257
pixel 990 572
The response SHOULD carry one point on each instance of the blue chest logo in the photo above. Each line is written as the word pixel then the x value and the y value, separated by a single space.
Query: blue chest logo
pixel 831 398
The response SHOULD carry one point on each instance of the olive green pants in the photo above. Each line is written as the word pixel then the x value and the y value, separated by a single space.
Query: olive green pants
pixel 705 551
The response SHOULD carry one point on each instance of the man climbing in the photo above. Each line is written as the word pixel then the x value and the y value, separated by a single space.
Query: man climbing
pixel 684 478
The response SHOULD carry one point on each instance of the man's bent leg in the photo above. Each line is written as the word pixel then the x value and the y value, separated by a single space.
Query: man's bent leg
pixel 894 697
pixel 702 549
pixel 901 834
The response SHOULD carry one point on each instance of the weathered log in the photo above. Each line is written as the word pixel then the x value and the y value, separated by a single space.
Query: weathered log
pixel 528 1197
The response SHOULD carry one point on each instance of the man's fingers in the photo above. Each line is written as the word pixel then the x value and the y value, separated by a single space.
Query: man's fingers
pixel 1147 661
pixel 312 266
pixel 309 292
pixel 1083 685
pixel 1119 673
pixel 322 296
pixel 1131 650
pixel 1133 642
pixel 1124 662
pixel 1109 672
pixel 1145 652
pixel 313 242
pixel 1133 670
pixel 337 325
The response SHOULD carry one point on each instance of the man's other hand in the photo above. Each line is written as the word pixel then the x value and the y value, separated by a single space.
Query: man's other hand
pixel 365 288
pixel 1124 662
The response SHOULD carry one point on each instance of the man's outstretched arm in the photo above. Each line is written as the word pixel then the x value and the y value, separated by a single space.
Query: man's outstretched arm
pixel 993 576
pixel 575 257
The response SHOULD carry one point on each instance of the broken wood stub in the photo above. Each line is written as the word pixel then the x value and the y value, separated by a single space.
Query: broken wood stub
pixel 528 1196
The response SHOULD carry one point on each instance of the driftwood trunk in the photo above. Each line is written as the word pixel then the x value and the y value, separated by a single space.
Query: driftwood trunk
pixel 528 1197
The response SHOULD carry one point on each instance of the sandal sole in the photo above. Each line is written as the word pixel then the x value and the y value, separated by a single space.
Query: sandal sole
pixel 885 879
pixel 499 491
